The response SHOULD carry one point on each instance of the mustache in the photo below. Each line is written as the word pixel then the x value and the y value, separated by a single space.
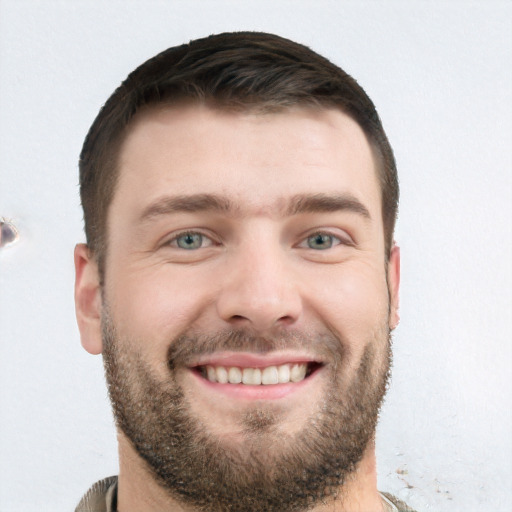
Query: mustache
pixel 186 348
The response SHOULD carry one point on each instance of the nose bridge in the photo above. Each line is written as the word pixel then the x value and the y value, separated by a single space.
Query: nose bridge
pixel 259 288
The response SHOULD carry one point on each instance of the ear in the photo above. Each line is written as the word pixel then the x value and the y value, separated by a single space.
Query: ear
pixel 88 299
pixel 394 285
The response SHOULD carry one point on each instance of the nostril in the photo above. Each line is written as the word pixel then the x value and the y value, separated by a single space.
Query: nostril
pixel 287 319
pixel 238 320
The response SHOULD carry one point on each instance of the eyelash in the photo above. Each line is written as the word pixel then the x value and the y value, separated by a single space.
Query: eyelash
pixel 336 240
pixel 173 242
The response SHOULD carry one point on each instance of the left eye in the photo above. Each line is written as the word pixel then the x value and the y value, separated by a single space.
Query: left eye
pixel 321 241
pixel 191 241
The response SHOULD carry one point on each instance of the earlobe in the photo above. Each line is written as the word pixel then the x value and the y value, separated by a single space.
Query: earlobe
pixel 88 299
pixel 394 286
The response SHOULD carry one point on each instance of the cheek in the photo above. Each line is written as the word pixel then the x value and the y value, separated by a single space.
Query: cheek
pixel 355 303
pixel 156 304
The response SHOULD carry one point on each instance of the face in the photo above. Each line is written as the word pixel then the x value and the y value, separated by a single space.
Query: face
pixel 247 304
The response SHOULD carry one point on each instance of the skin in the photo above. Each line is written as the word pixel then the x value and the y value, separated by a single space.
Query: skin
pixel 255 269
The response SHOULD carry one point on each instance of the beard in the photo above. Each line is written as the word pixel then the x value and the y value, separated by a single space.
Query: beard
pixel 270 470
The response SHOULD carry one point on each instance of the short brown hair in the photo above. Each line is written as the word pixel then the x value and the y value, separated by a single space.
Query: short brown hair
pixel 242 71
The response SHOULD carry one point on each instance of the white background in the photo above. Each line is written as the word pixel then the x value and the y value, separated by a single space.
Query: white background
pixel 440 75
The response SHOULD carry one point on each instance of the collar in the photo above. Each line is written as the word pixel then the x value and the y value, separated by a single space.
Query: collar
pixel 389 506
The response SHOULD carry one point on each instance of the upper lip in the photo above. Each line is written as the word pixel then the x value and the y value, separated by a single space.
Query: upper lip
pixel 250 360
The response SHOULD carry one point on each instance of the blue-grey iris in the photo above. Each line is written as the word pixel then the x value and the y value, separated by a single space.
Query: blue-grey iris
pixel 320 241
pixel 190 241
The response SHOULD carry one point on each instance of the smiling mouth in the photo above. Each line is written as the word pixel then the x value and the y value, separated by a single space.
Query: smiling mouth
pixel 266 376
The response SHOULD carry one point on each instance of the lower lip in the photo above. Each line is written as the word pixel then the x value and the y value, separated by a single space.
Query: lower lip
pixel 262 392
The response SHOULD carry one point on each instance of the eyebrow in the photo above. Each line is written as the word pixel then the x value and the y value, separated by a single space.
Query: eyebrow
pixel 187 203
pixel 300 203
pixel 312 203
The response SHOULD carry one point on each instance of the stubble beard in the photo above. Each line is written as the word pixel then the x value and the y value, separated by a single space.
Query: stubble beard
pixel 268 471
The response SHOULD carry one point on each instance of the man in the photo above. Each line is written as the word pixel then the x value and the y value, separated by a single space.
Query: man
pixel 240 279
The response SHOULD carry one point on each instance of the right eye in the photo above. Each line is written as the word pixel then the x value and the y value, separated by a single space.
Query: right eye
pixel 190 241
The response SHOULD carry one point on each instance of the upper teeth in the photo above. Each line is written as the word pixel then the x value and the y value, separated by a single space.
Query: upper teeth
pixel 256 376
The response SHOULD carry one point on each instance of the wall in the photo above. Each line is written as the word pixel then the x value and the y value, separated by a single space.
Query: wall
pixel 441 77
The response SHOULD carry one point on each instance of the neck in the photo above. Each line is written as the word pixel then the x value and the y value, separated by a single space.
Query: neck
pixel 360 494
pixel 137 489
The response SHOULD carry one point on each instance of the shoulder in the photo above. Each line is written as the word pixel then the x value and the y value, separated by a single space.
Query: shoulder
pixel 101 497
pixel 400 505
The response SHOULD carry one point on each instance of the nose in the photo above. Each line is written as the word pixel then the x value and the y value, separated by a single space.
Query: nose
pixel 259 289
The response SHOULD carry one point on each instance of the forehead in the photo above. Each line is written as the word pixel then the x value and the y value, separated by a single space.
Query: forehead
pixel 257 160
